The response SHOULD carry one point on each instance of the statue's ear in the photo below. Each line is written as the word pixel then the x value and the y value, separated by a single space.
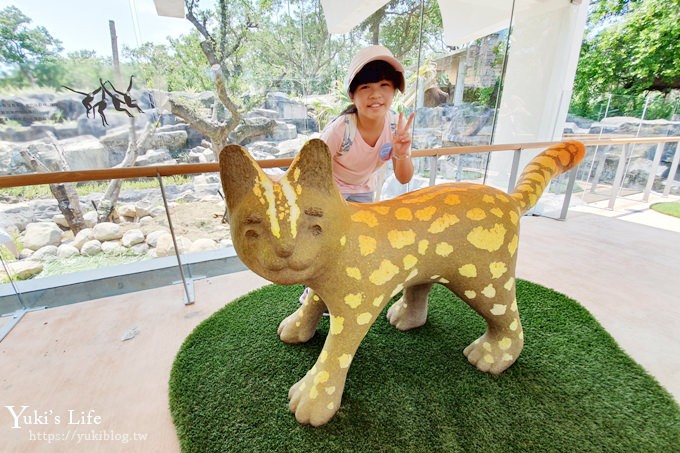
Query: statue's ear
pixel 239 173
pixel 312 167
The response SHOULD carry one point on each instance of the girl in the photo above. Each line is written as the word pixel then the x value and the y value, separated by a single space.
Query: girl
pixel 367 135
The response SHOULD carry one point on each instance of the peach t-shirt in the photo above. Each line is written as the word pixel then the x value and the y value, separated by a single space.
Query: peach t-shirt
pixel 354 168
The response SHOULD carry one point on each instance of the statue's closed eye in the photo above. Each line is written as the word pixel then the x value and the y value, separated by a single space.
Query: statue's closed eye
pixel 315 212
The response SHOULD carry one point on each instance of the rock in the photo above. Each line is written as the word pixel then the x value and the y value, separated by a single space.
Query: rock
pixel 60 220
pixel 25 253
pixel 132 237
pixel 157 211
pixel 155 157
pixel 127 210
pixel 113 248
pixel 202 245
pixel 146 220
pixel 152 238
pixel 107 231
pixel 82 237
pixel 25 269
pixel 40 234
pixel 91 248
pixel 67 251
pixel 139 249
pixel 90 219
pixel 283 131
pixel 285 107
pixel 45 253
pixel 142 209
pixel 165 247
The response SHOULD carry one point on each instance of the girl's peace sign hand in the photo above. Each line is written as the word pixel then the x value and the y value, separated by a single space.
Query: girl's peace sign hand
pixel 401 143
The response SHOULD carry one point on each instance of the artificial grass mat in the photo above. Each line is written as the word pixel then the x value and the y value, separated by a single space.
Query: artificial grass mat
pixel 571 390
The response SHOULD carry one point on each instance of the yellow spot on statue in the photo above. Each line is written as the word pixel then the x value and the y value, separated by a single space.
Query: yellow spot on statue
pixel 331 405
pixel 321 377
pixel 488 199
pixel 330 390
pixel 509 283
pixel 505 343
pixel 488 358
pixel 410 261
pixel 296 174
pixel 400 239
pixel 353 272
pixel 498 212
pixel 508 357
pixel 513 306
pixel 513 325
pixel 425 214
pixel 444 249
pixel 367 245
pixel 384 274
pixel 468 270
pixel 487 346
pixel 353 300
pixel 452 200
pixel 323 356
pixel 337 323
pixel 442 223
pixel 422 246
pixel 378 300
pixel 502 197
pixel 512 246
pixel 487 239
pixel 489 291
pixel 498 309
pixel 403 214
pixel 514 217
pixel 343 240
pixel 366 217
pixel 497 269
pixel 476 214
pixel 470 294
pixel 413 273
pixel 364 318
pixel 345 360
pixel 313 392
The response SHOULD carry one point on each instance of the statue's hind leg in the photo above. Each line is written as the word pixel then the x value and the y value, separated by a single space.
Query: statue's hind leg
pixel 501 344
pixel 410 311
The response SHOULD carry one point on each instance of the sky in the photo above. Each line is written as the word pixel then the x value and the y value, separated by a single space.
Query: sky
pixel 84 24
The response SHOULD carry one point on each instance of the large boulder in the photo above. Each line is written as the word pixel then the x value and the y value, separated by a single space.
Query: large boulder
pixel 40 234
pixel 107 231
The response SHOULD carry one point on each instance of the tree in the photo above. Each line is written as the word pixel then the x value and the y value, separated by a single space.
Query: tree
pixel 631 48
pixel 23 47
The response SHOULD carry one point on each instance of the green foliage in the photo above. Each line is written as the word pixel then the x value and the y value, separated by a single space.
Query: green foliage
pixel 25 48
pixel 631 49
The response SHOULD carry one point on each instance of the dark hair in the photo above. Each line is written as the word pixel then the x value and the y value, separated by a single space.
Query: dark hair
pixel 376 71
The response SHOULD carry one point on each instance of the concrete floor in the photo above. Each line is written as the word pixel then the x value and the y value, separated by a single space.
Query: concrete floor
pixel 85 389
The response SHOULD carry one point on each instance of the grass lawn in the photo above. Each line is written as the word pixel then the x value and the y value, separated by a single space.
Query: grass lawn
pixel 572 389
pixel 671 208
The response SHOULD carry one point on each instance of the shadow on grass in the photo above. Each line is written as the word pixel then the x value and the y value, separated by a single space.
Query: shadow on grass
pixel 572 388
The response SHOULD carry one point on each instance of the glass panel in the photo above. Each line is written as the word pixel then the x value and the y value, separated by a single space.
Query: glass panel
pixel 118 86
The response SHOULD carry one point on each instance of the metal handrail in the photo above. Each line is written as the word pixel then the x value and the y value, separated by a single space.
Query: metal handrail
pixel 31 179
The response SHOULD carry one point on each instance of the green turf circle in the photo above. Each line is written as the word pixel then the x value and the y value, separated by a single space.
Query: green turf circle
pixel 572 389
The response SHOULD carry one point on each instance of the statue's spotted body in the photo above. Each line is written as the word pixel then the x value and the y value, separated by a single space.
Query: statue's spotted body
pixel 356 257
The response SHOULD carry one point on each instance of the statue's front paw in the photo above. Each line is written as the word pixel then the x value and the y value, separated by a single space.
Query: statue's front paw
pixel 494 353
pixel 297 328
pixel 315 398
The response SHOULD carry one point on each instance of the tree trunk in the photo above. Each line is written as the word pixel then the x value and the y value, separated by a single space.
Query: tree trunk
pixel 108 202
pixel 65 193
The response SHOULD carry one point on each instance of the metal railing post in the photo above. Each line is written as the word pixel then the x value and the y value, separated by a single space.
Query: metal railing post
pixel 652 172
pixel 618 179
pixel 514 169
pixel 672 171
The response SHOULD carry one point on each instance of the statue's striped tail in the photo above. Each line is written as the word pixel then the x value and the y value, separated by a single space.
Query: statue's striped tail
pixel 537 174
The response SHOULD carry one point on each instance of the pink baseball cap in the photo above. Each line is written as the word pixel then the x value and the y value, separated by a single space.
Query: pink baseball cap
pixel 373 53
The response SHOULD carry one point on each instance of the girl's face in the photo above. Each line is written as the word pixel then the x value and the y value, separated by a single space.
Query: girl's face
pixel 373 100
